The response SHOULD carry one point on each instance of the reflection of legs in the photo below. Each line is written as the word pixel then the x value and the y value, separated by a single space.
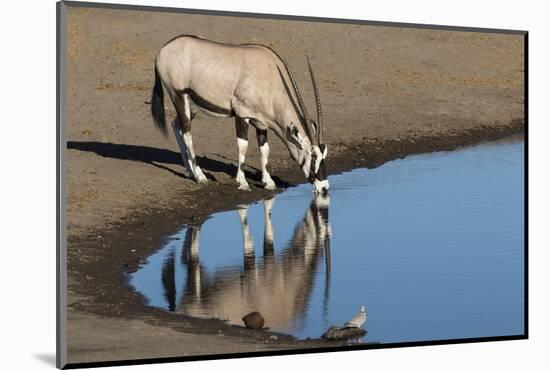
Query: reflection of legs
pixel 249 258
pixel 248 243
pixel 191 259
pixel 268 228
pixel 191 245
pixel 169 281
pixel 241 127
pixel 261 135
pixel 182 131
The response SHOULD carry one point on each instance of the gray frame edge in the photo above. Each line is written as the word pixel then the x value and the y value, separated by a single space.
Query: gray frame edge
pixel 61 194
pixel 225 13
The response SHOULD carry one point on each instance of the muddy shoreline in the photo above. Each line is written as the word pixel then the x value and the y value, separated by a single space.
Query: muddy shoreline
pixel 100 275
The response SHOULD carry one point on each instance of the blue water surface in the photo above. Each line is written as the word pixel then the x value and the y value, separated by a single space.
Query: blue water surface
pixel 432 245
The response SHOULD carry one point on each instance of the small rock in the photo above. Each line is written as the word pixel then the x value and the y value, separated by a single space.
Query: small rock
pixel 273 337
pixel 133 251
pixel 339 333
pixel 254 320
pixel 131 267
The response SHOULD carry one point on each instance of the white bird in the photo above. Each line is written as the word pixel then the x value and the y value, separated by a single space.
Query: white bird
pixel 357 320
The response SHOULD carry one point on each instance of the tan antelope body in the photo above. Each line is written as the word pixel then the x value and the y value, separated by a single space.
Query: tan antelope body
pixel 249 82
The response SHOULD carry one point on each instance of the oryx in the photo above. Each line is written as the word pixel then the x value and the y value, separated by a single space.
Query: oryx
pixel 249 82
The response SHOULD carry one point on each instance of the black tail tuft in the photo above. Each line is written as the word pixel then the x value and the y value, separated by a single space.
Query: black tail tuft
pixel 157 104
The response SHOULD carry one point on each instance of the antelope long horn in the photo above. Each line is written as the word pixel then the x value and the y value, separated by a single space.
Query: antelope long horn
pixel 320 126
pixel 307 124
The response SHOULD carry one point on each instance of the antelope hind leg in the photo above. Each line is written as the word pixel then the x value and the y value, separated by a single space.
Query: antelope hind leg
pixel 199 175
pixel 183 135
pixel 241 127
pixel 183 148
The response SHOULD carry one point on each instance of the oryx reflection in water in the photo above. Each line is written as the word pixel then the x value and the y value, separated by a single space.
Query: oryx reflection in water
pixel 278 284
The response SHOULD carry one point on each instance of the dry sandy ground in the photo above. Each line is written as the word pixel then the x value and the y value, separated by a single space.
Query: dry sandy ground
pixel 386 92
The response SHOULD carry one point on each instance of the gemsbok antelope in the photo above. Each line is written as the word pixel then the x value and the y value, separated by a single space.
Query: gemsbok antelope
pixel 249 82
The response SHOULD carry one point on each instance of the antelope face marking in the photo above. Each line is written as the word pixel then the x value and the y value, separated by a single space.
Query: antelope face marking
pixel 317 173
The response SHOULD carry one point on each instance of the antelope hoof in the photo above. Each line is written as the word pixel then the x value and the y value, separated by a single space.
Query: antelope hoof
pixel 244 186
pixel 269 184
pixel 199 176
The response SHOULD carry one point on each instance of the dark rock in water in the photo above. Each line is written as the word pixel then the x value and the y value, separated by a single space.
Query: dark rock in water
pixel 339 333
pixel 254 320
pixel 131 267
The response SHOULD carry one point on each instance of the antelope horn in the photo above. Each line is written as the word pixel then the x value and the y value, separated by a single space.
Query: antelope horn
pixel 307 123
pixel 320 126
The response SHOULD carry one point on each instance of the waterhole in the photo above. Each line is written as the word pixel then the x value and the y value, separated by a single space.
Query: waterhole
pixel 431 245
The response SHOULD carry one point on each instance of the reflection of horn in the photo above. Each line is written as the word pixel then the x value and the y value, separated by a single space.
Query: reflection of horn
pixel 311 237
pixel 327 276
pixel 322 203
pixel 168 278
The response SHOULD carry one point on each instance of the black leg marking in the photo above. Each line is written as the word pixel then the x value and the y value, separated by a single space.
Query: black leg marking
pixel 241 128
pixel 261 135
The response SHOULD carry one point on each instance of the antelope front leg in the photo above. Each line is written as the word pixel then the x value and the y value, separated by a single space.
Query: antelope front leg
pixel 242 143
pixel 261 135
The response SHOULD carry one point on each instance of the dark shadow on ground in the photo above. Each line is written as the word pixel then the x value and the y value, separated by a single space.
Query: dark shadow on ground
pixel 47 358
pixel 160 157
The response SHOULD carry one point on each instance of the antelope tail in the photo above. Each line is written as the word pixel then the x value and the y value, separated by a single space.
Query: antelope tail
pixel 157 104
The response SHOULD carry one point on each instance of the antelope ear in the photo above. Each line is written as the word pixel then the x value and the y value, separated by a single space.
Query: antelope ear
pixel 293 135
pixel 323 148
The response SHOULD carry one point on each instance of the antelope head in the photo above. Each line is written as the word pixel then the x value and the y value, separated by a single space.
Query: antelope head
pixel 312 151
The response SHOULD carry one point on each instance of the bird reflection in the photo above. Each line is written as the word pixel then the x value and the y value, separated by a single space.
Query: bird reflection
pixel 278 284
